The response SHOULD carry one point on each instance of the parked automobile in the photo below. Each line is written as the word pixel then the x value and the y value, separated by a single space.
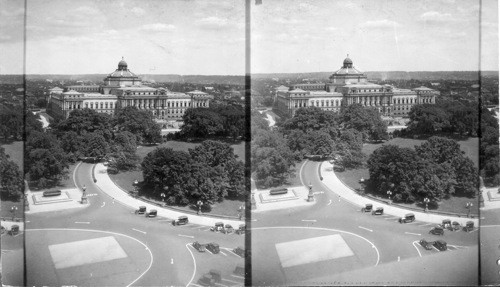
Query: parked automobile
pixel 378 211
pixel 182 220
pixel 426 244
pixel 409 217
pixel 440 245
pixel 141 210
pixel 198 246
pixel 218 227
pixel 211 278
pixel 456 226
pixel 241 229
pixel 469 226
pixel 438 230
pixel 446 224
pixel 368 208
pixel 152 213
pixel 239 270
pixel 228 228
pixel 14 230
pixel 239 251
pixel 213 247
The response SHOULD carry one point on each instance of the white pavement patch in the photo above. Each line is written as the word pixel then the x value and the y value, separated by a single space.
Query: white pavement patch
pixel 312 250
pixel 83 252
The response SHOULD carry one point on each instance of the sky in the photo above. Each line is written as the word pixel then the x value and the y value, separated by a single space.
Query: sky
pixel 207 37
pixel 378 35
pixel 153 36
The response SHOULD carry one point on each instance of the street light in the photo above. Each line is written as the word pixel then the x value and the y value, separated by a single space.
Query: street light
pixel 426 201
pixel 199 203
pixel 468 205
pixel 136 187
pixel 13 211
pixel 389 193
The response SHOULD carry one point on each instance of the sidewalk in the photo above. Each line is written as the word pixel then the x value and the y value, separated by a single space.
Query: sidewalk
pixel 333 183
pixel 494 201
pixel 107 186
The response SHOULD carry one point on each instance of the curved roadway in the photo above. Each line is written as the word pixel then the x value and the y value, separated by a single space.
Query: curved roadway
pixel 171 262
pixel 394 241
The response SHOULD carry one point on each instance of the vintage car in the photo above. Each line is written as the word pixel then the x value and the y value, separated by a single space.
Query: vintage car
pixel 368 208
pixel 218 227
pixel 456 226
pixel 210 279
pixel 426 244
pixel 152 213
pixel 378 211
pixel 438 230
pixel 469 226
pixel 198 246
pixel 440 245
pixel 239 251
pixel 241 229
pixel 446 224
pixel 213 247
pixel 409 217
pixel 182 220
pixel 141 210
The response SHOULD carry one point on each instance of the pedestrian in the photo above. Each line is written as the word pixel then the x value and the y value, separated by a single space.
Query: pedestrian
pixel 339 197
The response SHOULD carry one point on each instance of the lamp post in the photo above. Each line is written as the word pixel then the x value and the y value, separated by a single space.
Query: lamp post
pixel 389 193
pixel 468 205
pixel 136 187
pixel 310 196
pixel 426 201
pixel 199 204
pixel 13 210
pixel 163 195
pixel 84 194
pixel 362 183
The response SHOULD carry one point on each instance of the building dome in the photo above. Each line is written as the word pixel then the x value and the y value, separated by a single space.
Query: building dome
pixel 347 62
pixel 122 65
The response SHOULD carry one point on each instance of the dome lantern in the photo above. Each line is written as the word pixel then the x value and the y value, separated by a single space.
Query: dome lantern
pixel 122 65
pixel 347 62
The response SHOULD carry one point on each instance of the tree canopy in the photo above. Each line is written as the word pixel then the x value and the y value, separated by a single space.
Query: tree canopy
pixel 139 122
pixel 11 178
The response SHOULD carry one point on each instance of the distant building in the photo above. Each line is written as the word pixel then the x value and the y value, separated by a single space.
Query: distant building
pixel 121 89
pixel 348 86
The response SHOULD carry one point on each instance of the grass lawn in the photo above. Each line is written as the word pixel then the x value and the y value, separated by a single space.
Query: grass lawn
pixel 125 179
pixel 454 204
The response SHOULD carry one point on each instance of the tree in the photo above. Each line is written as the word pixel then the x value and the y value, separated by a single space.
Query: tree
pixel 167 171
pixel 94 145
pixel 309 119
pixel 86 121
pixel 11 178
pixel 365 120
pixel 201 122
pixel 139 122
pixel 258 122
pixel 272 157
pixel 427 119
pixel 44 160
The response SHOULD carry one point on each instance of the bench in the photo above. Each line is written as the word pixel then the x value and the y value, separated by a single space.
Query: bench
pixel 278 191
pixel 51 193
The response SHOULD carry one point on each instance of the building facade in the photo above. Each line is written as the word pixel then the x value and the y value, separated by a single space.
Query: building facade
pixel 349 86
pixel 121 89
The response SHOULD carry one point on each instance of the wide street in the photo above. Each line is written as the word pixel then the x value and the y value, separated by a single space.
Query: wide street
pixel 107 244
pixel 293 245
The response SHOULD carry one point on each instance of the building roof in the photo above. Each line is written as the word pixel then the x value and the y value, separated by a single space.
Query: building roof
pixel 348 71
pixel 297 91
pixel 282 88
pixel 366 85
pixel 325 94
pixel 196 92
pixel 56 89
pixel 122 74
pixel 422 88
pixel 72 92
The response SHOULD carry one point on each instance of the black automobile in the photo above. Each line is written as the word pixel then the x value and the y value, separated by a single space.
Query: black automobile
pixel 239 270
pixel 198 246
pixel 182 220
pixel 469 226
pixel 141 210
pixel 456 226
pixel 228 229
pixel 241 229
pixel 426 244
pixel 239 251
pixel 409 217
pixel 440 245
pixel 447 224
pixel 378 211
pixel 152 213
pixel 438 230
pixel 211 278
pixel 218 227
pixel 213 247
pixel 368 208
